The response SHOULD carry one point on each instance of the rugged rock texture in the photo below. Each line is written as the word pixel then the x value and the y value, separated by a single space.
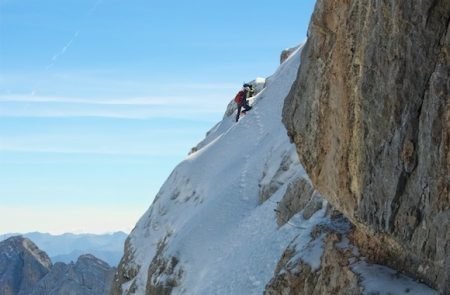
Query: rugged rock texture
pixel 329 263
pixel 162 267
pixel 334 276
pixel 274 178
pixel 22 266
pixel 370 116
pixel 126 270
pixel 88 276
pixel 26 270
pixel 286 53
pixel 299 195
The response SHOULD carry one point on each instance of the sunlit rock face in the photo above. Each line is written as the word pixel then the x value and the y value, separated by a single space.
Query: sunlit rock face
pixel 370 116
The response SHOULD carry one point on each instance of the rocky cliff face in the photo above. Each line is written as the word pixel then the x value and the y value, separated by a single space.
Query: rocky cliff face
pixel 370 116
pixel 26 270
pixel 22 266
pixel 88 276
pixel 340 269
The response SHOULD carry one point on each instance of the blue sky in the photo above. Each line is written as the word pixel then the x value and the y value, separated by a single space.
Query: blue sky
pixel 100 99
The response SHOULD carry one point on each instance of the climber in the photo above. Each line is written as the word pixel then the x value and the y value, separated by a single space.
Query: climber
pixel 241 100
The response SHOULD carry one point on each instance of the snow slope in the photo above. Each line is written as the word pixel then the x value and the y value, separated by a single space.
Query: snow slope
pixel 208 215
pixel 209 205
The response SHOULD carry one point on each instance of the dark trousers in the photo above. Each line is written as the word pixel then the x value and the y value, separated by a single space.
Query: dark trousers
pixel 240 106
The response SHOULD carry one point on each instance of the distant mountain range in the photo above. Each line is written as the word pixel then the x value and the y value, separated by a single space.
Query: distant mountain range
pixel 68 247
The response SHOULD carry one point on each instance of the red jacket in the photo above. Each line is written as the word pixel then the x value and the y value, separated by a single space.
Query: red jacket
pixel 240 97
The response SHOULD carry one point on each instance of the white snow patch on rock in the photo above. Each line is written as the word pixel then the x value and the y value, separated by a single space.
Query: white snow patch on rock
pixel 378 279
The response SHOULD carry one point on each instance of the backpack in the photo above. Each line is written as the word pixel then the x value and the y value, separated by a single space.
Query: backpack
pixel 239 98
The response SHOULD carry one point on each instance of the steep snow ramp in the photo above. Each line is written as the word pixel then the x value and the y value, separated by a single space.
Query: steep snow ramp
pixel 207 223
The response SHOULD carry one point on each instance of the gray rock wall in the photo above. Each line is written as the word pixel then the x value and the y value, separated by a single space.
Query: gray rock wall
pixel 334 276
pixel 88 276
pixel 370 116
pixel 22 265
pixel 26 270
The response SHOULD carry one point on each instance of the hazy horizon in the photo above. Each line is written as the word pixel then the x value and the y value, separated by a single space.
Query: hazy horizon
pixel 2 234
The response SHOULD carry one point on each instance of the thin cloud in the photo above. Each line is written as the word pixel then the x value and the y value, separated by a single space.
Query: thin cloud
pixel 160 152
pixel 205 108
pixel 94 101
pixel 199 116
pixel 204 86
pixel 44 148
pixel 97 138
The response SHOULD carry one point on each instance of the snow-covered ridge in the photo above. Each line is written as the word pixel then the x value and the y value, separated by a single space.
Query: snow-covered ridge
pixel 228 213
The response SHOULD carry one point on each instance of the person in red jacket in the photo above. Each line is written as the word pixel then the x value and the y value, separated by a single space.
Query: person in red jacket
pixel 241 100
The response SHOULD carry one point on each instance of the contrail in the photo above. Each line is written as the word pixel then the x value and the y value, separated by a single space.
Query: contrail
pixel 59 54
pixel 94 7
pixel 55 57
pixel 62 51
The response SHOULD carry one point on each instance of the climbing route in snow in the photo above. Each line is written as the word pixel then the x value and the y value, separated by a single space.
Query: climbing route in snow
pixel 229 224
